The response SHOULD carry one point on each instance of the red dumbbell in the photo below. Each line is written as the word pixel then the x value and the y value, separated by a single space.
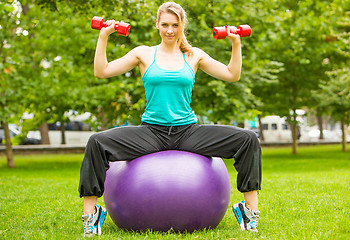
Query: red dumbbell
pixel 242 31
pixel 121 27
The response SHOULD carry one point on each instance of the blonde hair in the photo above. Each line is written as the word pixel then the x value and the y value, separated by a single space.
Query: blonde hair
pixel 174 8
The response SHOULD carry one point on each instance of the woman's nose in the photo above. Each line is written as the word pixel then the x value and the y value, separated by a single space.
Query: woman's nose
pixel 170 30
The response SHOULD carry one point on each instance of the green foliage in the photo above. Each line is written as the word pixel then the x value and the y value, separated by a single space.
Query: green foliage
pixel 11 83
pixel 334 94
pixel 296 36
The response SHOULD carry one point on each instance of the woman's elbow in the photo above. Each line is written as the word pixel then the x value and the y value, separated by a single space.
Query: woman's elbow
pixel 233 75
pixel 234 78
pixel 99 75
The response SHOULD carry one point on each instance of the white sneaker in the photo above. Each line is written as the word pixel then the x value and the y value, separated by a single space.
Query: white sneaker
pixel 93 222
pixel 247 219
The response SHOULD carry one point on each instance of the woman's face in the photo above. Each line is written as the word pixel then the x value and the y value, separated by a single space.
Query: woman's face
pixel 168 26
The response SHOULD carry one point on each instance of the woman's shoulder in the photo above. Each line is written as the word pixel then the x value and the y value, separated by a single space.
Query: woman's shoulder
pixel 144 54
pixel 143 48
pixel 198 53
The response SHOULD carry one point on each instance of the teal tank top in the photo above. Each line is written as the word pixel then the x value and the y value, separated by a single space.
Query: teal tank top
pixel 168 95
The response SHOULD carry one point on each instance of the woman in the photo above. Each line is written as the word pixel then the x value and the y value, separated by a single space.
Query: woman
pixel 168 73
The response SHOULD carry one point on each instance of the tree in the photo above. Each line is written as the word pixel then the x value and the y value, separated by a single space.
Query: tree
pixel 12 85
pixel 296 33
pixel 60 68
pixel 334 95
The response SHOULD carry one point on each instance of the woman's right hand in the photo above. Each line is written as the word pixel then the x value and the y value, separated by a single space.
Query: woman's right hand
pixel 105 32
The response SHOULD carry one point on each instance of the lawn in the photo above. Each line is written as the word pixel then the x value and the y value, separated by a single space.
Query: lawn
pixel 304 196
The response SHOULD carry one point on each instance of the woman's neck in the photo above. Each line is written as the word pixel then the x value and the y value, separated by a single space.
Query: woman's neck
pixel 169 48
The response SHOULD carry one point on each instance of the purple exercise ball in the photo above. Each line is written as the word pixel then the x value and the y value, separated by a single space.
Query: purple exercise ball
pixel 167 190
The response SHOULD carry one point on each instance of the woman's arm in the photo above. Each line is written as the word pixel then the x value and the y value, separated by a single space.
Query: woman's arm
pixel 230 72
pixel 105 69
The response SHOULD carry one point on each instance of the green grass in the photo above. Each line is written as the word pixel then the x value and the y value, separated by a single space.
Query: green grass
pixel 304 196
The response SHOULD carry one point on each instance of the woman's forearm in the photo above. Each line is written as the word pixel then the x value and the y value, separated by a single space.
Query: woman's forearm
pixel 100 60
pixel 235 65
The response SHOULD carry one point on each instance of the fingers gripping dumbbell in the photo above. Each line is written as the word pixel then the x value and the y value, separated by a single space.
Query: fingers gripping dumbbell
pixel 242 31
pixel 121 27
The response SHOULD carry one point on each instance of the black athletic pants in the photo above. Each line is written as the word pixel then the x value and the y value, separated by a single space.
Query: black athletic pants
pixel 130 142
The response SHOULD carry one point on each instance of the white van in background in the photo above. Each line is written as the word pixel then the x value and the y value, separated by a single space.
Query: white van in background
pixel 276 129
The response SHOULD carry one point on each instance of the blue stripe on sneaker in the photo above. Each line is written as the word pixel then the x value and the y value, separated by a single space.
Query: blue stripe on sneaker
pixel 239 219
pixel 103 217
pixel 238 215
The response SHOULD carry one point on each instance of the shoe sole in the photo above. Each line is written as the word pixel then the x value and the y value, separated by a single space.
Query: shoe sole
pixel 101 221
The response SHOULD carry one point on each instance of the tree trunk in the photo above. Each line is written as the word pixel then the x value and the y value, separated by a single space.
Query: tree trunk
pixel 63 134
pixel 320 125
pixel 44 133
pixel 343 133
pixel 25 8
pixel 261 128
pixel 9 151
pixel 294 129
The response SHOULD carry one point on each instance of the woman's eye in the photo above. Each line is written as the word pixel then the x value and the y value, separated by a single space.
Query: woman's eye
pixel 164 25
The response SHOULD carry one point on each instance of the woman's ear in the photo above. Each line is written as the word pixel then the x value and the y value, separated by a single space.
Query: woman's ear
pixel 157 26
